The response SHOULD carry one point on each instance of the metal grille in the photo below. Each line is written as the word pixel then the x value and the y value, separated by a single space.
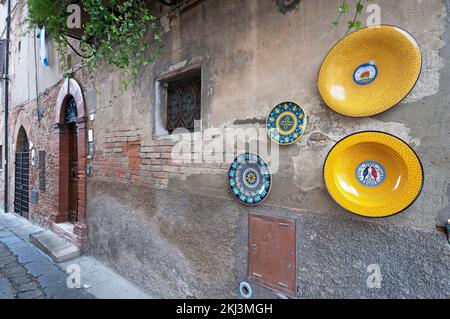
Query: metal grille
pixel 71 113
pixel 183 104
pixel 21 184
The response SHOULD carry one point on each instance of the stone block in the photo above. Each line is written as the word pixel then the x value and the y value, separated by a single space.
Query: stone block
pixel 54 246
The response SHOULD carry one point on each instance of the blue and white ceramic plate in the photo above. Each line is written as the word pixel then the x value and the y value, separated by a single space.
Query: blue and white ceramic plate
pixel 286 123
pixel 250 179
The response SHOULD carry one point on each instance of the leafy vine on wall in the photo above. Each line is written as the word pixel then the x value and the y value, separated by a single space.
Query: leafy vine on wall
pixel 345 8
pixel 115 31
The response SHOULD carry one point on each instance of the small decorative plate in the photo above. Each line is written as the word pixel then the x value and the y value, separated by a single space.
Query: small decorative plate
pixel 373 174
pixel 286 123
pixel 250 179
pixel 369 71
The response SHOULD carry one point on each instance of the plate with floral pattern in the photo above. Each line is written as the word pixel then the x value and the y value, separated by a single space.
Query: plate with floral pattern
pixel 250 179
pixel 286 123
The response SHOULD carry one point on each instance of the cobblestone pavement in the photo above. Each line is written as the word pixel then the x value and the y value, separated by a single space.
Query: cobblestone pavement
pixel 15 281
pixel 26 273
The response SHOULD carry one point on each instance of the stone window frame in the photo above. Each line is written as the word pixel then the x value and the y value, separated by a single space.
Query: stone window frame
pixel 160 110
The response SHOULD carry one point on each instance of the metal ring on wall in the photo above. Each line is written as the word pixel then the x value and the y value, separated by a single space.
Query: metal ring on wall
pixel 245 289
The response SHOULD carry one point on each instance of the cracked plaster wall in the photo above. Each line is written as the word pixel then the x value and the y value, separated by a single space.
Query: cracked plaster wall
pixel 190 239
pixel 253 56
pixel 257 57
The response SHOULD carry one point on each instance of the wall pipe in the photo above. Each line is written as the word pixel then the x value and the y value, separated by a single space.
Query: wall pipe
pixel 6 92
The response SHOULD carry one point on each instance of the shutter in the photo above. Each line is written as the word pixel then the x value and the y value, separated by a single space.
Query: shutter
pixel 2 56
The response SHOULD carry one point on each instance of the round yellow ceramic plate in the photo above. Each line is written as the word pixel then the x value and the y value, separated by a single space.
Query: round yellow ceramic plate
pixel 373 174
pixel 370 71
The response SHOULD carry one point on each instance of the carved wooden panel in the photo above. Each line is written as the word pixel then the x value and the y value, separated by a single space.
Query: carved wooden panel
pixel 73 173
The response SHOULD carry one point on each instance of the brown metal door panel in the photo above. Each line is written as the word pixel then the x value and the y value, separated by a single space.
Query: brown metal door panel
pixel 73 173
pixel 286 246
pixel 260 233
pixel 272 252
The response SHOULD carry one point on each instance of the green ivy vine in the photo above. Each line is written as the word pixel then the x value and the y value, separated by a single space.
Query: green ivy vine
pixel 115 32
pixel 344 8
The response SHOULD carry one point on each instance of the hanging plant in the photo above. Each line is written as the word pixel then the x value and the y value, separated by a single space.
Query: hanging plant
pixel 115 32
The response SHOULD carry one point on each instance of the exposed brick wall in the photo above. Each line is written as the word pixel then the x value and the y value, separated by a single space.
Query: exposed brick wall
pixel 118 158
pixel 40 134
pixel 128 156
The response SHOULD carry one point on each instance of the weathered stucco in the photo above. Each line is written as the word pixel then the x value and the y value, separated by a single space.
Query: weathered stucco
pixel 179 233
pixel 254 57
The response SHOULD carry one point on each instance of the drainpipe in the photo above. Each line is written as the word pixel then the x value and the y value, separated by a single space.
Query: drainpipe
pixel 6 92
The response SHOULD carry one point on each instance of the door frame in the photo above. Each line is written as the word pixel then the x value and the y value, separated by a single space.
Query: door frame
pixel 60 213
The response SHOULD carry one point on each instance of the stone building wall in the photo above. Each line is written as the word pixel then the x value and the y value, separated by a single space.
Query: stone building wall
pixel 40 134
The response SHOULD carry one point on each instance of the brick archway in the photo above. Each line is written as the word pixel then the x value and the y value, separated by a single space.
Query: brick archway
pixel 70 88
pixel 22 174
pixel 25 122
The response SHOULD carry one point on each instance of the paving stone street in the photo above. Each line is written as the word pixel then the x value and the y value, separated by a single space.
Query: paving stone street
pixel 15 281
pixel 28 274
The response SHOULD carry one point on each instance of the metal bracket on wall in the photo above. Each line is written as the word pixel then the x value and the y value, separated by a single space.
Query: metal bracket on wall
pixel 34 196
pixel 88 169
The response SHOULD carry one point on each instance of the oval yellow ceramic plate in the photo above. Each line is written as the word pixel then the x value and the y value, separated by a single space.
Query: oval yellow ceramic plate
pixel 370 71
pixel 373 174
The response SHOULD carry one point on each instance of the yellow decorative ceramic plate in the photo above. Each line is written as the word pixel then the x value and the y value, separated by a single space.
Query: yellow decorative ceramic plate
pixel 370 71
pixel 373 174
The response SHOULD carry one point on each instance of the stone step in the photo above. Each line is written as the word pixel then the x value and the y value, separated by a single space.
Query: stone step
pixel 57 248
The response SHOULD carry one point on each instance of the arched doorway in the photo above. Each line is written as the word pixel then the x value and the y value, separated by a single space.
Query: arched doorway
pixel 22 174
pixel 70 158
